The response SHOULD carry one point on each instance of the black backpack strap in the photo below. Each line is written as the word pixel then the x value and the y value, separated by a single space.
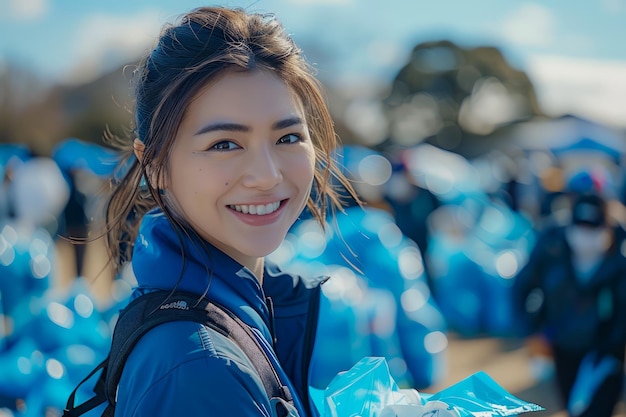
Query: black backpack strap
pixel 158 307
pixel 136 319
pixel 232 326
pixel 99 398
pixel 154 308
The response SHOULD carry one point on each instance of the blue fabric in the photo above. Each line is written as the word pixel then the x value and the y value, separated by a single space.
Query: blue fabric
pixel 183 368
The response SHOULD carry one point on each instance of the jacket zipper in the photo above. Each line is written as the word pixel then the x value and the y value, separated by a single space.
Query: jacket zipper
pixel 271 324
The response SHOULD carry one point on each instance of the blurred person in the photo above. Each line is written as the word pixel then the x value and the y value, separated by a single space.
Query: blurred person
pixel 86 167
pixel 411 205
pixel 561 187
pixel 38 192
pixel 573 294
pixel 74 223
pixel 6 208
pixel 232 135
pixel 12 155
pixel 554 200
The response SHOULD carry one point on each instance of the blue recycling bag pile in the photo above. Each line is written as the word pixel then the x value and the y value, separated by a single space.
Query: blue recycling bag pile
pixel 380 303
pixel 51 339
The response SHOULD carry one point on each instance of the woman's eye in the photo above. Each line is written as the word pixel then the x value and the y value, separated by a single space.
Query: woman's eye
pixel 290 138
pixel 225 145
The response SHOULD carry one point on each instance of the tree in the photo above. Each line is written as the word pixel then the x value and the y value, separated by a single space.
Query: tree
pixel 456 98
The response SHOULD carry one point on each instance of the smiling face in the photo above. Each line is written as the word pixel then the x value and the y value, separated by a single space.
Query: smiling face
pixel 241 167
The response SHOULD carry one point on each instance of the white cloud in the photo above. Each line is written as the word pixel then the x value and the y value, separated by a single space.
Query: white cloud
pixel 24 9
pixel 589 88
pixel 104 42
pixel 614 6
pixel 529 25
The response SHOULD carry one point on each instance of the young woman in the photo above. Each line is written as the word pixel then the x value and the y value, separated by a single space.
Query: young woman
pixel 232 140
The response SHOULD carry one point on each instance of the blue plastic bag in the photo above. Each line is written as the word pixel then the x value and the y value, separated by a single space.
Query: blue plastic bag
pixel 480 395
pixel 364 390
pixel 368 390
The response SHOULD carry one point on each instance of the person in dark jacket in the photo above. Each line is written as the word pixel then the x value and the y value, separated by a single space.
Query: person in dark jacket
pixel 232 140
pixel 573 293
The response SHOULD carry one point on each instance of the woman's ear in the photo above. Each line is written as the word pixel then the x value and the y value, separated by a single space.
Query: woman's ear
pixel 138 148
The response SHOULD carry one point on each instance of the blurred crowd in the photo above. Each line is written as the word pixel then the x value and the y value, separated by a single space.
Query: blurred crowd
pixel 58 302
pixel 443 246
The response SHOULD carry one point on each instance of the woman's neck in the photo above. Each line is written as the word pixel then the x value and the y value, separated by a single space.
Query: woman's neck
pixel 257 268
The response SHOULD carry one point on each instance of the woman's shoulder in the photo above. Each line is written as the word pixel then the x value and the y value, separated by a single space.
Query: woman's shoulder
pixel 176 361
pixel 176 342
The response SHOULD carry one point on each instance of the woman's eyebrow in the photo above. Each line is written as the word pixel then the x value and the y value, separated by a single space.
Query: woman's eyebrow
pixel 222 126
pixel 237 127
pixel 288 122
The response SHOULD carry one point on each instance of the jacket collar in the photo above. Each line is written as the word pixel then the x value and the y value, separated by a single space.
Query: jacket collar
pixel 164 258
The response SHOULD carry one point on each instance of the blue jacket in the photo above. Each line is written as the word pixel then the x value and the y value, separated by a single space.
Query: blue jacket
pixel 574 316
pixel 185 368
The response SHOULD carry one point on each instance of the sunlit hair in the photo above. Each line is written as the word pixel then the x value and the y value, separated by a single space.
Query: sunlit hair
pixel 203 45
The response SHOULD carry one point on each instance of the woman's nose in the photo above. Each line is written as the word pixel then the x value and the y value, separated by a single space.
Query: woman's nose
pixel 262 170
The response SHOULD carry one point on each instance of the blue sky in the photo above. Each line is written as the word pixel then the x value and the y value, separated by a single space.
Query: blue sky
pixel 573 50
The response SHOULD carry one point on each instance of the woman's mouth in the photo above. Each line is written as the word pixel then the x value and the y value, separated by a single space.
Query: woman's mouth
pixel 256 209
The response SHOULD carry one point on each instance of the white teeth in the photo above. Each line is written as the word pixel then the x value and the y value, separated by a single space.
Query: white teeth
pixel 259 210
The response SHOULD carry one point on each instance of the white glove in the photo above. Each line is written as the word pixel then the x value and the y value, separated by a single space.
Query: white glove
pixel 430 409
